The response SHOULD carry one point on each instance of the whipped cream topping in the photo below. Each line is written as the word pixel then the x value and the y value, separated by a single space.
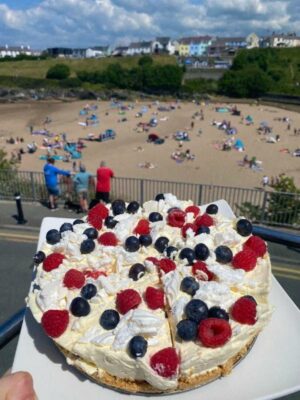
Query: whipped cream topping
pixel 106 351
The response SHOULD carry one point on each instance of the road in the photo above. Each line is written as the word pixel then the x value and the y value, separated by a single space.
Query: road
pixel 17 248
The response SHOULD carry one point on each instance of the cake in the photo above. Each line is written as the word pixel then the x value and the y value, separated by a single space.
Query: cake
pixel 153 298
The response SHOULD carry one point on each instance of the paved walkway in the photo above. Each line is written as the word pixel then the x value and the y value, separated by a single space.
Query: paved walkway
pixel 33 213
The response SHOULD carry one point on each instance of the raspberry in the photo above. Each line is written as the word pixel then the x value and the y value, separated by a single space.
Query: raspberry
pixel 74 279
pixel 96 215
pixel 245 259
pixel 53 261
pixel 193 209
pixel 176 218
pixel 55 322
pixel 205 220
pixel 142 228
pixel 154 298
pixel 244 310
pixel 165 362
pixel 127 300
pixel 167 265
pixel 186 227
pixel 214 332
pixel 257 245
pixel 201 272
pixel 94 274
pixel 108 239
pixel 154 260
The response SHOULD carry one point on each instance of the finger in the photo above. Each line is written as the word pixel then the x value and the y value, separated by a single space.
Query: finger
pixel 17 386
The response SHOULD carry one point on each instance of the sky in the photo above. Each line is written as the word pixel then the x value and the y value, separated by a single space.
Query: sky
pixel 84 23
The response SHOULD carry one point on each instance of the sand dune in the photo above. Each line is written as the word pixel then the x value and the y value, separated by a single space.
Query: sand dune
pixel 211 165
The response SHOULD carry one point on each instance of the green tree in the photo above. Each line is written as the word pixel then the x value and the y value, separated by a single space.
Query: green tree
pixel 58 71
pixel 5 164
pixel 284 203
pixel 145 61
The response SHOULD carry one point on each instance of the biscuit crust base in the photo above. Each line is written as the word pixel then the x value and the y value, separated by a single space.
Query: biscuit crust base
pixel 184 383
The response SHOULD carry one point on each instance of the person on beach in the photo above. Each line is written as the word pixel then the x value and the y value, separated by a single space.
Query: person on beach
pixel 50 173
pixel 104 175
pixel 82 180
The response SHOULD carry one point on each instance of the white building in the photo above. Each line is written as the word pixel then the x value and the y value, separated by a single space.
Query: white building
pixel 97 52
pixel 14 51
pixel 252 41
pixel 163 45
pixel 281 40
pixel 139 48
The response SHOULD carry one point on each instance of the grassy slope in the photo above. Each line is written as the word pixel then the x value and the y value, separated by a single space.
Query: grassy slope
pixel 38 69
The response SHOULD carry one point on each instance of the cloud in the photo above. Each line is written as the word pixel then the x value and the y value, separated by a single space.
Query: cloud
pixel 82 23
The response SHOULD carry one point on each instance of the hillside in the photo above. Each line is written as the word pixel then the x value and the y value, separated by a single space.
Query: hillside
pixel 259 71
pixel 39 68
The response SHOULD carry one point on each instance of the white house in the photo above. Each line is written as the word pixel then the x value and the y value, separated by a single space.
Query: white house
pixel 97 52
pixel 252 41
pixel 14 51
pixel 163 45
pixel 138 48
pixel 281 40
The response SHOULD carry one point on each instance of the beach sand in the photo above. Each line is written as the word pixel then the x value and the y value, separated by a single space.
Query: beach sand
pixel 130 148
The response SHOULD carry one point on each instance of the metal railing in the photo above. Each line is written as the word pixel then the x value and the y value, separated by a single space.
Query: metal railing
pixel 11 327
pixel 261 206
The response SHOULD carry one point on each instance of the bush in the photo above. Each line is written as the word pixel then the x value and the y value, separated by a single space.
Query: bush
pixel 70 83
pixel 200 86
pixel 145 61
pixel 59 72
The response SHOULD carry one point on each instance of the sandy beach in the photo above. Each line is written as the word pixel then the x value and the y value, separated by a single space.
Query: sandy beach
pixel 124 154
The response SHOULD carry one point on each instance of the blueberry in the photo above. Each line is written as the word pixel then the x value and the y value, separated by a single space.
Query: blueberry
pixel 189 285
pixel 218 312
pixel 155 216
pixel 39 257
pixel 212 209
pixel 91 233
pixel 109 222
pixel 223 254
pixel 87 246
pixel 159 196
pixel 161 244
pixel 187 329
pixel 132 244
pixel 80 307
pixel 188 254
pixel 171 251
pixel 203 229
pixel 145 240
pixel 201 252
pixel 66 227
pixel 173 209
pixel 137 346
pixel 78 221
pixel 250 298
pixel 244 227
pixel 196 310
pixel 88 291
pixel 137 271
pixel 109 319
pixel 118 207
pixel 133 207
pixel 118 202
pixel 53 236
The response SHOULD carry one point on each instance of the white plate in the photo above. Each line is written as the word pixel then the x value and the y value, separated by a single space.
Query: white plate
pixel 270 370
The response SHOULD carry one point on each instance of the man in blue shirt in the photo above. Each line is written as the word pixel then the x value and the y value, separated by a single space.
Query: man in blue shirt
pixel 82 181
pixel 50 173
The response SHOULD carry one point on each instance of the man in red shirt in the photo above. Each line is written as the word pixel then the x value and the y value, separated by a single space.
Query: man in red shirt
pixel 104 174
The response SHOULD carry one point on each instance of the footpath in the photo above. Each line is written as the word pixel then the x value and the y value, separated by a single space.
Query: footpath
pixel 33 213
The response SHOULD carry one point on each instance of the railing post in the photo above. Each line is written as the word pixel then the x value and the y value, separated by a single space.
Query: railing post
pixel 141 191
pixel 200 194
pixel 33 191
pixel 263 208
